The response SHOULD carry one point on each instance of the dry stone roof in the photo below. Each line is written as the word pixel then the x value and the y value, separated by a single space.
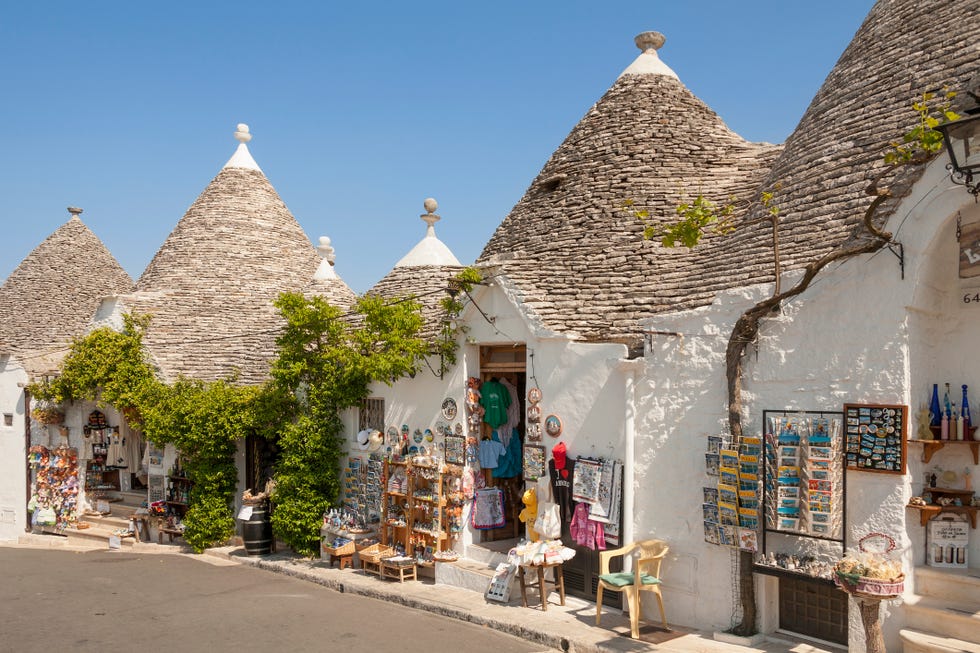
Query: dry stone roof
pixel 211 286
pixel 579 260
pixel 581 264
pixel 51 296
pixel 424 274
pixel 903 48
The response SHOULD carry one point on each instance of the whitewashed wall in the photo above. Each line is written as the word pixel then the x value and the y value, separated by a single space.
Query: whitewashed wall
pixel 860 334
pixel 579 382
pixel 13 457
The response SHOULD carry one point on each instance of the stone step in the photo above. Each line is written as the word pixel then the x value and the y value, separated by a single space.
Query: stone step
pixel 951 584
pixel 95 537
pixel 467 574
pixel 488 554
pixel 914 641
pixel 957 620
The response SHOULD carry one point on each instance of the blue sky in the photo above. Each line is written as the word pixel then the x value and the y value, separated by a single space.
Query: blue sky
pixel 359 111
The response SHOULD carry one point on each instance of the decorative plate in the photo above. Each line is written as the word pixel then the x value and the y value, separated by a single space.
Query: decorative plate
pixel 534 432
pixel 442 427
pixel 428 435
pixel 412 450
pixel 458 428
pixel 417 436
pixel 552 426
pixel 534 395
pixel 449 408
pixel 534 413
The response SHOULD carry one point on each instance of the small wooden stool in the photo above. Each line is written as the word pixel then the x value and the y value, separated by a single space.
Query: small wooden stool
pixel 170 532
pixel 542 584
pixel 345 560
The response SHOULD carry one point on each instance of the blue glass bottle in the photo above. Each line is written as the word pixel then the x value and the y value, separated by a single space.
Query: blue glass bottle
pixel 935 414
pixel 965 410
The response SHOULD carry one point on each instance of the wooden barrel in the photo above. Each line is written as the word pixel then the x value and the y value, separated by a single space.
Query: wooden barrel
pixel 257 531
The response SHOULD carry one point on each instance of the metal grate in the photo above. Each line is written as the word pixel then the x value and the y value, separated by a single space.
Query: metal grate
pixel 813 609
pixel 372 414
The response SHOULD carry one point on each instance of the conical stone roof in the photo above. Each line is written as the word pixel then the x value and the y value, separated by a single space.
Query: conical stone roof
pixel 52 295
pixel 577 258
pixel 327 283
pixel 211 286
pixel 424 274
pixel 903 49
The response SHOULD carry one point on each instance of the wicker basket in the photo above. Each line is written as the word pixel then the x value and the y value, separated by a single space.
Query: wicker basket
pixel 345 550
pixel 870 588
pixel 375 553
pixel 361 545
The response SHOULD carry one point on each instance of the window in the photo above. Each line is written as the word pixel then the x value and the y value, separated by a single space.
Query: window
pixel 372 414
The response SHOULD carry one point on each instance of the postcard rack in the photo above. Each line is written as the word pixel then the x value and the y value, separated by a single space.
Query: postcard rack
pixel 803 489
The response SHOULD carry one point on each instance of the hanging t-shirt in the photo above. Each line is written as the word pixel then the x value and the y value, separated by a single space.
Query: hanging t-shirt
pixel 490 453
pixel 495 399
pixel 562 487
pixel 511 463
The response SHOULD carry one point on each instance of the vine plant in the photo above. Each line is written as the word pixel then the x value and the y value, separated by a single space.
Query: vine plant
pixel 700 217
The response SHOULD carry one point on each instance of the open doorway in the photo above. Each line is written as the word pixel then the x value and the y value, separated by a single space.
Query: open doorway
pixel 507 366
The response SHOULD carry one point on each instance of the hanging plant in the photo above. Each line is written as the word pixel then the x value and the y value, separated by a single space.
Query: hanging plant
pixel 48 413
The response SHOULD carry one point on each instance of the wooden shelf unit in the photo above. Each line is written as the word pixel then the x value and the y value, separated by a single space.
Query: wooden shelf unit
pixel 929 447
pixel 424 514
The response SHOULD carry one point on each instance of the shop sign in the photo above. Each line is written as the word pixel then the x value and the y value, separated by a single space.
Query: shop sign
pixel 970 250
pixel 949 541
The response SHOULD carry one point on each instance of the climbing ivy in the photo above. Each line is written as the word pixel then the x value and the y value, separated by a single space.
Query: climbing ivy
pixel 204 421
pixel 325 364
pixel 452 306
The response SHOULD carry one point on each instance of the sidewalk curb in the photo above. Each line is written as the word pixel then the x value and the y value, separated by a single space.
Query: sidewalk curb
pixel 295 568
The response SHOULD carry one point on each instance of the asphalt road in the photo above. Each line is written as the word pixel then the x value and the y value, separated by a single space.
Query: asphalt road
pixel 123 602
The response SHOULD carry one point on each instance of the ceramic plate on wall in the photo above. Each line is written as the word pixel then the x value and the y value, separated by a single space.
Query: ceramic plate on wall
pixel 552 426
pixel 534 395
pixel 449 408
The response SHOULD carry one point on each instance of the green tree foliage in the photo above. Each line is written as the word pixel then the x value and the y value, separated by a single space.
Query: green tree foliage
pixel 204 421
pixel 325 364
pixel 924 139
pixel 106 366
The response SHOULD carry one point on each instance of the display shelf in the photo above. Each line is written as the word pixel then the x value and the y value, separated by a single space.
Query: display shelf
pixel 770 570
pixel 928 512
pixel 419 509
pixel 930 447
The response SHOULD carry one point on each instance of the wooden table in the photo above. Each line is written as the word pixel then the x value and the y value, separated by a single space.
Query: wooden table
pixel 541 584
pixel 401 572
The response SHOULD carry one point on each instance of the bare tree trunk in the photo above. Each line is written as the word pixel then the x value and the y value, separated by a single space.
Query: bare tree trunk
pixel 746 330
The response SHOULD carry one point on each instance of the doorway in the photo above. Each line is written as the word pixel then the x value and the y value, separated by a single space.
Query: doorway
pixel 506 365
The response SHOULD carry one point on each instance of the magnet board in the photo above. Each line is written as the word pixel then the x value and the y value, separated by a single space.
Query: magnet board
pixel 875 437
pixel 535 465
pixel 455 449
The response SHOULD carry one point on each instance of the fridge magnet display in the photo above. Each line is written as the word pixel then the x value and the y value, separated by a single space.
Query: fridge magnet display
pixel 876 438
pixel 535 465
pixel 455 449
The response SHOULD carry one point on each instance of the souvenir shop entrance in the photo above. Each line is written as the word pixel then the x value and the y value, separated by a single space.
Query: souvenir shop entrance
pixel 503 369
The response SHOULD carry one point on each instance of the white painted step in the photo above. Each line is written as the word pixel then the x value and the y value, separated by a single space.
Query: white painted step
pixel 467 574
pixel 955 619
pixel 489 555
pixel 962 585
pixel 918 642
